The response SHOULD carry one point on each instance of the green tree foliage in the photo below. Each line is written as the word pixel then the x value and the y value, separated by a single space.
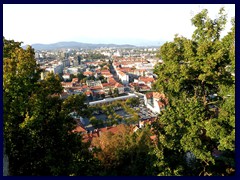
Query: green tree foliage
pixel 102 79
pixel 195 121
pixel 76 103
pixel 133 101
pixel 93 120
pixel 72 76
pixel 110 93
pixel 115 92
pixel 125 153
pixel 80 76
pixel 196 66
pixel 93 56
pixel 37 126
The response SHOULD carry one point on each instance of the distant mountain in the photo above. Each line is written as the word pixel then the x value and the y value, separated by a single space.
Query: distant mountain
pixel 73 44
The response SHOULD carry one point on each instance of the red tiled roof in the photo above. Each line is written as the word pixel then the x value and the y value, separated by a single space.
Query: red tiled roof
pixel 111 80
pixel 146 79
pixel 75 80
pixel 143 86
pixel 85 87
pixel 112 129
pixel 160 104
pixel 133 84
pixel 149 95
pixel 118 85
pixel 105 71
pixel 86 73
pixel 69 84
pixel 96 87
pixel 106 84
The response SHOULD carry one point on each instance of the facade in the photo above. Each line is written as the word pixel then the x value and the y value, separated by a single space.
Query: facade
pixel 92 83
pixel 66 77
pixel 65 63
pixel 120 88
pixel 155 101
pixel 123 77
pixel 72 70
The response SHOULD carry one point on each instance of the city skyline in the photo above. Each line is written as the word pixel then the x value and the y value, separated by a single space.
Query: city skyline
pixel 141 24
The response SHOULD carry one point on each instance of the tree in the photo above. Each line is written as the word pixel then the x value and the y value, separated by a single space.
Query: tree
pixel 76 103
pixel 124 153
pixel 80 76
pixel 72 76
pixel 115 92
pixel 110 92
pixel 37 126
pixel 193 71
pixel 137 88
pixel 193 65
pixel 19 79
pixel 133 101
pixel 93 120
pixel 102 96
pixel 102 79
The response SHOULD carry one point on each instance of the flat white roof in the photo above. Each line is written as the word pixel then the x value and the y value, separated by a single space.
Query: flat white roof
pixel 113 99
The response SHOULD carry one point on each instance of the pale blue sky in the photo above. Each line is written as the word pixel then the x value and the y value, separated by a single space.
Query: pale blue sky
pixel 118 23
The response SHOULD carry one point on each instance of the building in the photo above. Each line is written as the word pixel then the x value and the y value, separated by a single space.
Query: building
pixel 123 77
pixel 155 101
pixel 55 68
pixel 145 80
pixel 109 100
pixel 66 77
pixel 92 83
pixel 88 73
pixel 65 63
pixel 120 88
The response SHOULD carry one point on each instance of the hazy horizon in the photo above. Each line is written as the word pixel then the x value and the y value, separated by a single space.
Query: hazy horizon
pixel 120 42
pixel 134 24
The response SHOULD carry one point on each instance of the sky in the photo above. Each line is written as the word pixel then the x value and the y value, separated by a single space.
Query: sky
pixel 136 24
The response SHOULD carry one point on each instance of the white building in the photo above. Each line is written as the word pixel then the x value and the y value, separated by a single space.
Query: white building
pixel 117 53
pixel 92 83
pixel 123 77
pixel 72 70
pixel 66 77
pixel 155 101
pixel 55 68
pixel 148 66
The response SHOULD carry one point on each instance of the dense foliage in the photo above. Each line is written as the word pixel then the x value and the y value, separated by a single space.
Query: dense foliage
pixel 37 124
pixel 198 77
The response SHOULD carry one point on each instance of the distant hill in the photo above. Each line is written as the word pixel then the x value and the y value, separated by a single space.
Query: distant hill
pixel 73 44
